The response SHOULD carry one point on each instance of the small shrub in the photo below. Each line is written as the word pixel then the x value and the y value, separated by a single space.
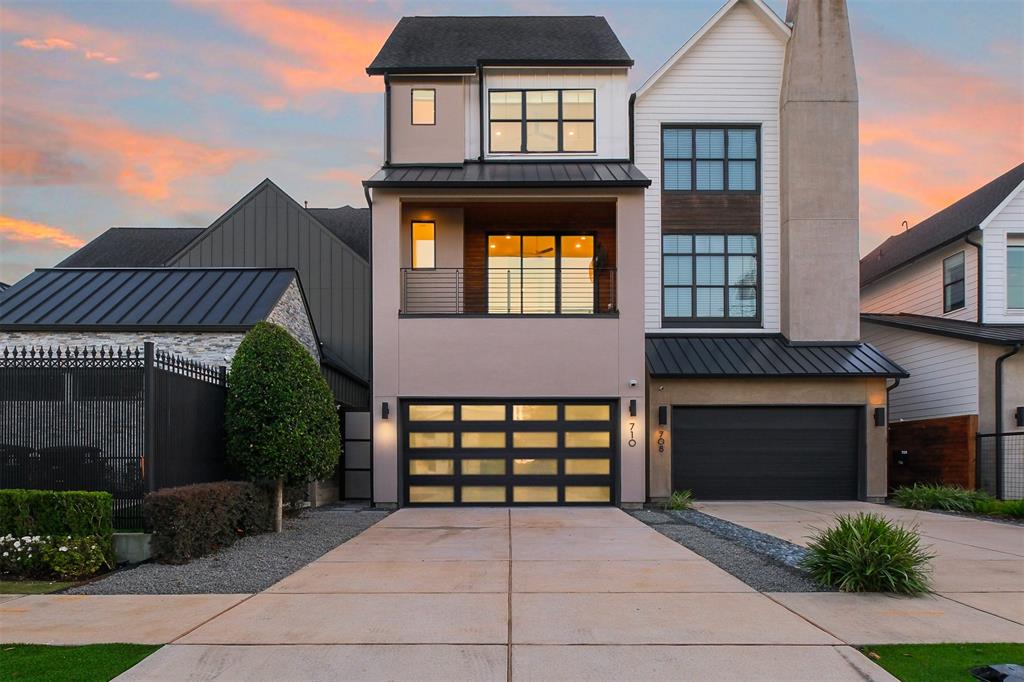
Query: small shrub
pixel 936 496
pixel 680 499
pixel 1010 508
pixel 194 520
pixel 868 553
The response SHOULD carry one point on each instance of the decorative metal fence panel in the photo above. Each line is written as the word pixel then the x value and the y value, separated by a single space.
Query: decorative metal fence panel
pixel 1000 462
pixel 86 419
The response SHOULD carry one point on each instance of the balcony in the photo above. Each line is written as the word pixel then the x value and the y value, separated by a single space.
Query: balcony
pixel 508 292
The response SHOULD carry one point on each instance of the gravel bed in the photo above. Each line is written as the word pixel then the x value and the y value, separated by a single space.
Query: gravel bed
pixel 783 551
pixel 250 565
pixel 762 572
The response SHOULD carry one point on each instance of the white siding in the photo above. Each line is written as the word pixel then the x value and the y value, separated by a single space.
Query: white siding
pixel 611 106
pixel 917 288
pixel 472 117
pixel 733 74
pixel 943 378
pixel 1007 221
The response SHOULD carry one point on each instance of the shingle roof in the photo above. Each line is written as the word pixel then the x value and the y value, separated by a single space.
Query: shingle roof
pixel 131 247
pixel 960 329
pixel 459 44
pixel 350 225
pixel 143 298
pixel 519 174
pixel 946 226
pixel 762 356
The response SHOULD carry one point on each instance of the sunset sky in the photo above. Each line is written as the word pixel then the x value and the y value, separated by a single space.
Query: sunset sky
pixel 166 113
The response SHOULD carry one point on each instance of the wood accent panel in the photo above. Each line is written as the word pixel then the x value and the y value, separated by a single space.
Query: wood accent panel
pixel 937 451
pixel 725 212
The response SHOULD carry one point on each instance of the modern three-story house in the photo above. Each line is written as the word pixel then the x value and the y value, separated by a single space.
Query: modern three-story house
pixel 508 356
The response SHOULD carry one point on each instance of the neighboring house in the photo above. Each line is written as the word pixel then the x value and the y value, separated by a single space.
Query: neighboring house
pixel 131 247
pixel 508 361
pixel 945 299
pixel 758 384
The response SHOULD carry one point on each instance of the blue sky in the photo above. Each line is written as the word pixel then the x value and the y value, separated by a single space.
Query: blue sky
pixel 165 113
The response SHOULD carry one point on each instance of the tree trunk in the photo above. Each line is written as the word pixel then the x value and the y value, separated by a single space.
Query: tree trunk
pixel 278 505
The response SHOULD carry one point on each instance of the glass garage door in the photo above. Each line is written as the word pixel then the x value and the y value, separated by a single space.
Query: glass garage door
pixel 509 453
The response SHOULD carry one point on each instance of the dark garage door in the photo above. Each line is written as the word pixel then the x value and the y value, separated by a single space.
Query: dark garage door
pixel 765 453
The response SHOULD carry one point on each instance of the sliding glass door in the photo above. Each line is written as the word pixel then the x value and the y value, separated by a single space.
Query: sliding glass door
pixel 531 274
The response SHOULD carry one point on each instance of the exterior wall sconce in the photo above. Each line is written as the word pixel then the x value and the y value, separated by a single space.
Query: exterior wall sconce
pixel 632 408
pixel 662 415
pixel 1019 414
pixel 385 410
pixel 879 416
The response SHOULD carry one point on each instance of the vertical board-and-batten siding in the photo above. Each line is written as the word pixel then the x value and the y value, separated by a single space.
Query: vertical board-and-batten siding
pixel 269 229
pixel 733 74
pixel 943 371
pixel 1008 220
pixel 917 287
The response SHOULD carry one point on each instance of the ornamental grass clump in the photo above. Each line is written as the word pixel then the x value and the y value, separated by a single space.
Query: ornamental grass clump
pixel 869 553
pixel 937 496
pixel 680 499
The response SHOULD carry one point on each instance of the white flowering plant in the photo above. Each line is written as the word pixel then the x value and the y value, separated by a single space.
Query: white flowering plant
pixel 61 556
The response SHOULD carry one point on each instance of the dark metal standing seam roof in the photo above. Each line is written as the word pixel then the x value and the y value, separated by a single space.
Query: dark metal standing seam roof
pixel 517 174
pixel 762 356
pixel 459 44
pixel 998 334
pixel 207 299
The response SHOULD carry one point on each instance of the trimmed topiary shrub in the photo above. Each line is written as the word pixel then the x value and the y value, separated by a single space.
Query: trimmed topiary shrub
pixel 869 553
pixel 193 520
pixel 280 418
pixel 45 533
pixel 936 496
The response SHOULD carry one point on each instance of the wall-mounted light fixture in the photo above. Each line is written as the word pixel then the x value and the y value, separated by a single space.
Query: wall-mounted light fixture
pixel 879 416
pixel 662 415
pixel 632 407
pixel 1019 414
pixel 385 410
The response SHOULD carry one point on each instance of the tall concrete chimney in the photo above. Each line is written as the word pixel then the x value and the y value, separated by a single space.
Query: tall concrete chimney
pixel 819 176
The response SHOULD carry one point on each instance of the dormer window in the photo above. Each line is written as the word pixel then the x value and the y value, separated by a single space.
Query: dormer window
pixel 542 121
pixel 423 112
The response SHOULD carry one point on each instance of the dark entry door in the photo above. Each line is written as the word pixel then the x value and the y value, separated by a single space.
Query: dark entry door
pixel 796 453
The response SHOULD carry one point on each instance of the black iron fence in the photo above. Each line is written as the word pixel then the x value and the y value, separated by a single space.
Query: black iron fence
pixel 1000 463
pixel 122 420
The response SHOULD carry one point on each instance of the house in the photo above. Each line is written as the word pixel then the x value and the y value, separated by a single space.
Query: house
pixel 945 299
pixel 508 362
pixel 758 385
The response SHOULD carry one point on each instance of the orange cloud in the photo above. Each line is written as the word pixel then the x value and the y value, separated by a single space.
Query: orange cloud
pixel 19 230
pixel 931 131
pixel 316 50
pixel 47 44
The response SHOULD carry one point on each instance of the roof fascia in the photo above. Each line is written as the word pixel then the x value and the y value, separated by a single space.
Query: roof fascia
pixel 1002 204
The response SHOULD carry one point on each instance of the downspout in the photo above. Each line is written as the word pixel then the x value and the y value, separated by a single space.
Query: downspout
pixel 632 102
pixel 981 272
pixel 369 204
pixel 999 415
pixel 480 105
pixel 387 130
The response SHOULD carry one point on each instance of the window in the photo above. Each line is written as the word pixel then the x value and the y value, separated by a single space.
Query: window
pixel 422 245
pixel 709 159
pixel 541 274
pixel 423 107
pixel 953 295
pixel 1015 273
pixel 542 121
pixel 710 277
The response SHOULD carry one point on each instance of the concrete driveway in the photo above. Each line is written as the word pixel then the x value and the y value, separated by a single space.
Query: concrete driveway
pixel 498 594
pixel 978 574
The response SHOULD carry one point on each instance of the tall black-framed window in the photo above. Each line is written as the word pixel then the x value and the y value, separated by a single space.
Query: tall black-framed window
pixel 710 278
pixel 710 158
pixel 542 121
pixel 953 289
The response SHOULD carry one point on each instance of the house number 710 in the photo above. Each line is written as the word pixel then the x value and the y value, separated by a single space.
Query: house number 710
pixel 632 438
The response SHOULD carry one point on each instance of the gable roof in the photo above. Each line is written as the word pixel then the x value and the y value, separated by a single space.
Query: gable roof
pixel 945 227
pixel 959 329
pixel 201 299
pixel 350 225
pixel 461 44
pixel 778 26
pixel 131 247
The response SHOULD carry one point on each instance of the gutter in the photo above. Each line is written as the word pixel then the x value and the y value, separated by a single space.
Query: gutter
pixel 632 103
pixel 480 105
pixel 999 416
pixel 369 204
pixel 981 272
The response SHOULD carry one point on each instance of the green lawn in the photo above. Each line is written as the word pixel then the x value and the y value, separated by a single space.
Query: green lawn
pixel 941 662
pixel 90 663
pixel 32 586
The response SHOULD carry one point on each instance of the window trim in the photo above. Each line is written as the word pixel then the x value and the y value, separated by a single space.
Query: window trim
pixel 1016 243
pixel 725 127
pixel 433 109
pixel 946 307
pixel 524 121
pixel 412 243
pixel 715 322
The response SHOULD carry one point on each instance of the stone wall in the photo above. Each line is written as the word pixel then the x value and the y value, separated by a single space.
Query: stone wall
pixel 290 313
pixel 210 348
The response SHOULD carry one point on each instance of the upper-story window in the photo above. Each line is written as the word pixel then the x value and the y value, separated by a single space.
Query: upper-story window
pixel 709 278
pixel 423 245
pixel 953 293
pixel 1015 273
pixel 423 106
pixel 542 121
pixel 710 159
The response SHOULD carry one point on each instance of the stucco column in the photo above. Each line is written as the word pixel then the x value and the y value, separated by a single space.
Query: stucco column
pixel 629 223
pixel 386 301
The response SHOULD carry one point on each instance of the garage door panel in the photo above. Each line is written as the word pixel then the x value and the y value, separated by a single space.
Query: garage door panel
pixel 766 452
